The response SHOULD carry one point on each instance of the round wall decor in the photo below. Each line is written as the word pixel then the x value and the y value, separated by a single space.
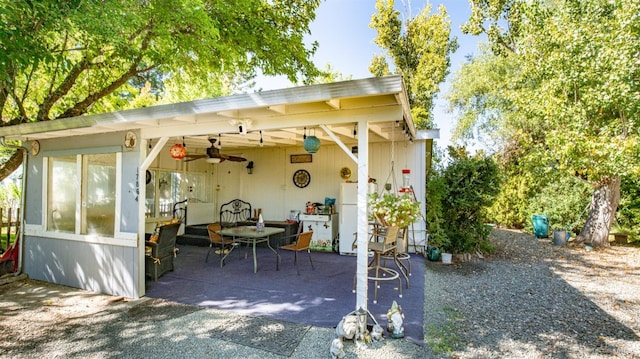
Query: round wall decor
pixel 301 178
pixel 345 172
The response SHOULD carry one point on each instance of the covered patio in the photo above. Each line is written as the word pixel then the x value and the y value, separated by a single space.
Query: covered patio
pixel 363 125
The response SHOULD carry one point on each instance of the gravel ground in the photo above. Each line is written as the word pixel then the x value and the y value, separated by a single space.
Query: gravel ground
pixel 527 300
pixel 531 299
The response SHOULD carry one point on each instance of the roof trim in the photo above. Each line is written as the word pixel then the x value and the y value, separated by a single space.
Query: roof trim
pixel 324 92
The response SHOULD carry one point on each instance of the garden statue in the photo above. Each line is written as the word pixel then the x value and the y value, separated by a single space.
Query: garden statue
pixel 376 332
pixel 395 319
pixel 337 349
pixel 347 327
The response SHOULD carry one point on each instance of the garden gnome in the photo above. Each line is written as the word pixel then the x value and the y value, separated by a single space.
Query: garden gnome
pixel 395 319
pixel 337 349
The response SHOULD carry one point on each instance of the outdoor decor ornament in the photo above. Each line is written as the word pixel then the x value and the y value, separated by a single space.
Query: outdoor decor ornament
pixel 337 349
pixel 377 333
pixel 395 318
pixel 178 151
pixel 311 143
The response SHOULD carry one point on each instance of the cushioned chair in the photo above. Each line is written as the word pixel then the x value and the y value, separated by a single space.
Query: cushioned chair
pixel 301 244
pixel 216 240
pixel 160 253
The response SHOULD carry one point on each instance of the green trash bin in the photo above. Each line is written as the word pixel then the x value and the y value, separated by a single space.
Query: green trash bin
pixel 540 226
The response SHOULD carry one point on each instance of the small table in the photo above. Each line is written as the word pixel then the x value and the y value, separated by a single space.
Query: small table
pixel 250 235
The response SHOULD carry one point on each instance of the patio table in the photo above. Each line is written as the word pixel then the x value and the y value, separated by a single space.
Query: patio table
pixel 250 235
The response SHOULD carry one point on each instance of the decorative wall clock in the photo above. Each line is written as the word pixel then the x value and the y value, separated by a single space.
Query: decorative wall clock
pixel 301 178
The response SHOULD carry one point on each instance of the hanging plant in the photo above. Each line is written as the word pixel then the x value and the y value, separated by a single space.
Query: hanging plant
pixel 392 209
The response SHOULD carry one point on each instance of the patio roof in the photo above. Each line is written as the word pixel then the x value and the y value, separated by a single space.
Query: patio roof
pixel 281 115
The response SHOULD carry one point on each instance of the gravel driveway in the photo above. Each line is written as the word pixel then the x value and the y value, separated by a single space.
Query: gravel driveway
pixel 527 300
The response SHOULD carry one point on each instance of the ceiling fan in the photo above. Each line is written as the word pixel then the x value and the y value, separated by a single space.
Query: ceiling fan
pixel 214 156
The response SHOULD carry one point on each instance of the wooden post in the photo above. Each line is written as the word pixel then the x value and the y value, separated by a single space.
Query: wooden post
pixel 9 227
pixel 18 223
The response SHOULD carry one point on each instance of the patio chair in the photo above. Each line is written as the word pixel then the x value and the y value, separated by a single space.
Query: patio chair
pixel 382 243
pixel 161 251
pixel 301 244
pixel 217 240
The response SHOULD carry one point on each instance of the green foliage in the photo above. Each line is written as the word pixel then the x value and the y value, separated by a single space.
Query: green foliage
pixel 556 89
pixel 628 215
pixel 419 51
pixel 563 200
pixel 446 338
pixel 436 191
pixel 10 194
pixel 510 208
pixel 64 59
pixel 472 184
pixel 457 198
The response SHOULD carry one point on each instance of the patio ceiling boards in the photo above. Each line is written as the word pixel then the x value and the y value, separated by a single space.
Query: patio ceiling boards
pixel 281 115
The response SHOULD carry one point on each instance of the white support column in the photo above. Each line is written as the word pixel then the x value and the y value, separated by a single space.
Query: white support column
pixel 363 221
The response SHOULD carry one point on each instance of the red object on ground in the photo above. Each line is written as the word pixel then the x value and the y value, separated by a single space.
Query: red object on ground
pixel 11 255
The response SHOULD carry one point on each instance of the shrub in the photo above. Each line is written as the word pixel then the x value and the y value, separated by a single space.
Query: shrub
pixel 563 201
pixel 472 184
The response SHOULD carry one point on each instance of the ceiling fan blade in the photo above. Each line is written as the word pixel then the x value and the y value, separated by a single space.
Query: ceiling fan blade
pixel 235 158
pixel 189 158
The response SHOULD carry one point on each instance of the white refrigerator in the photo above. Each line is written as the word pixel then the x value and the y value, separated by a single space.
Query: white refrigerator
pixel 349 215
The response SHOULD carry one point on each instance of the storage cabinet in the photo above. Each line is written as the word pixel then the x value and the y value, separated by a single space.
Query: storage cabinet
pixel 325 230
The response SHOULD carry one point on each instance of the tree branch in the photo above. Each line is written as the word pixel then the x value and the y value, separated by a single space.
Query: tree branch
pixel 12 164
pixel 65 86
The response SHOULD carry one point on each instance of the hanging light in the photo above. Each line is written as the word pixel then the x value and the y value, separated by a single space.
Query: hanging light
pixel 261 142
pixel 177 151
pixel 355 132
pixel 250 167
pixel 311 143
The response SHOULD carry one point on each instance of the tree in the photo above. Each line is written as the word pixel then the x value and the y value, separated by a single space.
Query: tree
pixel 68 58
pixel 420 53
pixel 567 97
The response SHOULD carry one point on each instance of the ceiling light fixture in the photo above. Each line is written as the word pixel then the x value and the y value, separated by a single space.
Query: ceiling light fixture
pixel 261 142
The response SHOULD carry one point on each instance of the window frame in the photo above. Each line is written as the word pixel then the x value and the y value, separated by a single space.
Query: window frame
pixel 128 239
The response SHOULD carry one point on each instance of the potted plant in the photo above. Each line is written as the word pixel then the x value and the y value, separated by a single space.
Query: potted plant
pixel 392 209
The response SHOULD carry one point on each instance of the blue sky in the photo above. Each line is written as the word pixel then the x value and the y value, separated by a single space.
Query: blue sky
pixel 346 43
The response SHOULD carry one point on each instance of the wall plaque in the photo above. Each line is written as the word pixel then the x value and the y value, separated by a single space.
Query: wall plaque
pixel 306 158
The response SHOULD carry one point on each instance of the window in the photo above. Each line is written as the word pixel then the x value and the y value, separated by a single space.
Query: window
pixel 90 210
pixel 173 187
pixel 61 194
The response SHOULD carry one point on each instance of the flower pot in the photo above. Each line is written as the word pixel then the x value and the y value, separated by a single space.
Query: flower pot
pixel 446 258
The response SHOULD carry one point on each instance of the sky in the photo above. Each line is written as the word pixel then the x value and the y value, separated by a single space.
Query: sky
pixel 346 43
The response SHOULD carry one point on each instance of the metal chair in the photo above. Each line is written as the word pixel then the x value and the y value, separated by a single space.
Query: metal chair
pixel 217 240
pixel 301 244
pixel 382 243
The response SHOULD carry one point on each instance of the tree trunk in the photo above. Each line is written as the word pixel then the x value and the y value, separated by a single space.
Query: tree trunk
pixel 602 211
pixel 7 168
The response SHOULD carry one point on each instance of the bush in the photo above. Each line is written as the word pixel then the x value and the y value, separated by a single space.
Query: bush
pixel 563 201
pixel 471 185
pixel 628 214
